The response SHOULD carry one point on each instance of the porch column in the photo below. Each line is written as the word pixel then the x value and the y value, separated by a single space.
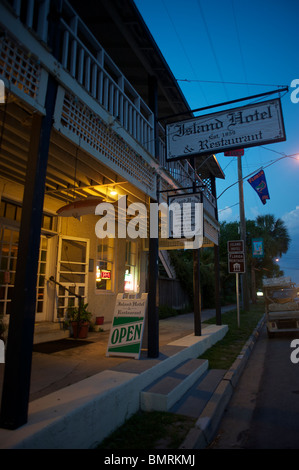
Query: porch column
pixel 153 311
pixel 16 385
pixel 196 292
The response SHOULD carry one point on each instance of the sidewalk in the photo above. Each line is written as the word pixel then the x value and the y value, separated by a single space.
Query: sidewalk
pixel 51 372
pixel 64 374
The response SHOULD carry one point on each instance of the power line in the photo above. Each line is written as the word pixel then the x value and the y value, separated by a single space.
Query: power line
pixel 183 47
pixel 261 168
pixel 211 45
pixel 229 207
pixel 230 83
pixel 239 43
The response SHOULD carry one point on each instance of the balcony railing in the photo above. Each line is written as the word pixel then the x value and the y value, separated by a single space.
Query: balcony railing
pixel 83 57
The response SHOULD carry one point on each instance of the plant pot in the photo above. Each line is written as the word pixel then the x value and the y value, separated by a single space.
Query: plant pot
pixel 99 320
pixel 80 330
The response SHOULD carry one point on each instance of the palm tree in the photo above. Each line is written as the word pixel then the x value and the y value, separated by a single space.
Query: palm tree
pixel 275 235
pixel 276 242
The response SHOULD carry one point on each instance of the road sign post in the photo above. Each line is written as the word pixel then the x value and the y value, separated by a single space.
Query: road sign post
pixel 238 301
pixel 236 265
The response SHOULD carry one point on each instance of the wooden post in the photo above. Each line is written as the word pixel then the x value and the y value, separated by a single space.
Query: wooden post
pixel 17 373
pixel 196 293
pixel 153 311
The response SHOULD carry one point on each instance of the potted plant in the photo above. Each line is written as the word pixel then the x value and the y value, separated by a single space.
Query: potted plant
pixel 80 320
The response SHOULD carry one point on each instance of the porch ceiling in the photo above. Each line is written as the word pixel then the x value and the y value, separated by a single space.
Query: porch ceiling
pixel 71 172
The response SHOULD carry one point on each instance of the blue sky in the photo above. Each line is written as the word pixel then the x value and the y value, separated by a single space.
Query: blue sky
pixel 223 50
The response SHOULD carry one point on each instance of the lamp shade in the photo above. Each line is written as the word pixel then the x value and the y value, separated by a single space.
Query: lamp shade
pixel 80 207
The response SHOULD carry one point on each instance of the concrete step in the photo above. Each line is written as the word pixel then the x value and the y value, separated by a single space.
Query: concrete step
pixel 195 399
pixel 49 331
pixel 164 392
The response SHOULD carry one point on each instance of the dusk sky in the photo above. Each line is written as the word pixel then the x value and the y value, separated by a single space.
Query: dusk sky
pixel 229 49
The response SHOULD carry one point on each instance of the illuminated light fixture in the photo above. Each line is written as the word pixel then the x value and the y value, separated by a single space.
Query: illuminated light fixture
pixel 80 207
pixel 128 281
pixel 113 192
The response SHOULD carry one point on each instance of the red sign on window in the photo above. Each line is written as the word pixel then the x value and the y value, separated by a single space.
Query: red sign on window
pixel 105 274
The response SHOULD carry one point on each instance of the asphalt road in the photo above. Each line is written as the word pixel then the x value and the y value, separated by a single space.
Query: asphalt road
pixel 264 410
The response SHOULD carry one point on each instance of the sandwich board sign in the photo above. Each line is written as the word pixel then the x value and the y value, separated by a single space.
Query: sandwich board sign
pixel 126 333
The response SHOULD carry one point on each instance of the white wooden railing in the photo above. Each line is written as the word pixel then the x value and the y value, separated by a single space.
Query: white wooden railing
pixel 83 57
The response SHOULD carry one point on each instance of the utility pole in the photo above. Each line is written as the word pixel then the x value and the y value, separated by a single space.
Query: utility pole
pixel 244 277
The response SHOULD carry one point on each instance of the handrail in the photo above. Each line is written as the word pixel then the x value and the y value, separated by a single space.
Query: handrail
pixel 52 279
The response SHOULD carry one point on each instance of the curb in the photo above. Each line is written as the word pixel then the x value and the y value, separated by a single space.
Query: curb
pixel 202 434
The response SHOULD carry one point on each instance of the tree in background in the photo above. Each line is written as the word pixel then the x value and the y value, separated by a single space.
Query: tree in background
pixel 276 242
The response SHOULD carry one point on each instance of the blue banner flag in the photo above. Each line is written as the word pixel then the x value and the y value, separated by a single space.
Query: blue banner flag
pixel 257 247
pixel 258 182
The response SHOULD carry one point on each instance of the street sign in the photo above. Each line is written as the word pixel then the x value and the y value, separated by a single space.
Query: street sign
pixel 236 256
pixel 236 263
pixel 235 246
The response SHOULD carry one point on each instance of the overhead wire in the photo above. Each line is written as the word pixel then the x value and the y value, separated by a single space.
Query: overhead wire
pixel 260 168
pixel 212 46
pixel 183 47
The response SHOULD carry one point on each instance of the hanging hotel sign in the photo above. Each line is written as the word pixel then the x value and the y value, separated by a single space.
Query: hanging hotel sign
pixel 126 333
pixel 185 215
pixel 247 126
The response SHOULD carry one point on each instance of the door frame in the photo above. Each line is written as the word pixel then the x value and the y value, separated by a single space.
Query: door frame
pixel 56 318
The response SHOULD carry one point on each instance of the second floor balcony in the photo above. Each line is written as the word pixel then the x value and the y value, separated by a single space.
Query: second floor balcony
pixel 98 109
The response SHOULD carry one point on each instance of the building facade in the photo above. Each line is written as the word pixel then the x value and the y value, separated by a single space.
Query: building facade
pixel 113 89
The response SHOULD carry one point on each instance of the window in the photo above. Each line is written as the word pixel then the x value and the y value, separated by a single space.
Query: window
pixel 9 240
pixel 105 265
pixel 13 211
pixel 131 274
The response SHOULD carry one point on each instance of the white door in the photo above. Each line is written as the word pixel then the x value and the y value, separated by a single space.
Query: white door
pixel 72 273
pixel 9 241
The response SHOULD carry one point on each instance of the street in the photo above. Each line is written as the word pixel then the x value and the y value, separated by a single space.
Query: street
pixel 264 410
